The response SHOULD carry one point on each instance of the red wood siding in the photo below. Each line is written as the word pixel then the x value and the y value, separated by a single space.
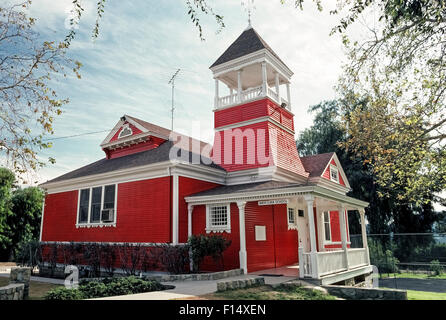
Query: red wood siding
pixel 231 255
pixel 286 241
pixel 188 186
pixel 286 152
pixel 151 143
pixel 135 130
pixel 326 174
pixel 143 215
pixel 253 110
pixel 335 228
pixel 281 245
pixel 261 138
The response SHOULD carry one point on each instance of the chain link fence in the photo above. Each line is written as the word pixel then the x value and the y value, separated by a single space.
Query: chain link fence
pixel 412 253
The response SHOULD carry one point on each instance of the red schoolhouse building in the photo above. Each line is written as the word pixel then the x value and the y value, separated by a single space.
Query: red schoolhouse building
pixel 251 186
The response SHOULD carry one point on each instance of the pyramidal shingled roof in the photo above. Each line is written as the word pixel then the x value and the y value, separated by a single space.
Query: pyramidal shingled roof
pixel 248 42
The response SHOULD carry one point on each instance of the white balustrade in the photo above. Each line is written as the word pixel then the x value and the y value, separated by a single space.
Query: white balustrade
pixel 330 262
pixel 357 257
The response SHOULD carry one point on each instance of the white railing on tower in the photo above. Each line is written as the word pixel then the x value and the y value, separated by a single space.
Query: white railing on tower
pixel 252 93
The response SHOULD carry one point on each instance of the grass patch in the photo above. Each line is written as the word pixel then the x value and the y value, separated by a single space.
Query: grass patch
pixel 408 275
pixel 37 290
pixel 423 295
pixel 268 293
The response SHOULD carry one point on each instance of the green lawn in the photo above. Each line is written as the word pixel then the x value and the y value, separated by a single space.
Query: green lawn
pixel 423 295
pixel 269 293
pixel 36 289
pixel 408 275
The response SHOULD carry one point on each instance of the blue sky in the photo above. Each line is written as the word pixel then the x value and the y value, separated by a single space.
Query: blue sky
pixel 142 43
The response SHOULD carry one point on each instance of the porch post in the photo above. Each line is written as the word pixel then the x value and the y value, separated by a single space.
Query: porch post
pixel 242 254
pixel 264 79
pixel 175 209
pixel 278 88
pixel 341 210
pixel 364 234
pixel 288 95
pixel 313 250
pixel 231 95
pixel 239 86
pixel 190 209
pixel 216 94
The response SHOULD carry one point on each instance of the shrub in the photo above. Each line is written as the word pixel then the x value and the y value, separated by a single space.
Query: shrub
pixel 383 259
pixel 175 258
pixel 29 254
pixel 64 294
pixel 109 258
pixel 436 267
pixel 92 256
pixel 105 288
pixel 203 246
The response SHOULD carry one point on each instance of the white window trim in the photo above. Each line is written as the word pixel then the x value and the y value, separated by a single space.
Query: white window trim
pixel 127 126
pixel 89 224
pixel 291 226
pixel 210 228
pixel 329 229
pixel 334 168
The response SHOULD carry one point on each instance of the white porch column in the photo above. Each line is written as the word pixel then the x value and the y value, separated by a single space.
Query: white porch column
pixel 174 209
pixel 264 79
pixel 278 87
pixel 288 95
pixel 364 234
pixel 239 85
pixel 242 254
pixel 190 209
pixel 310 202
pixel 216 94
pixel 342 225
pixel 231 93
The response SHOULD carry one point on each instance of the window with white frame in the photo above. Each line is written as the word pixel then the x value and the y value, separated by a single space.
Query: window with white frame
pixel 327 228
pixel 218 218
pixel 292 218
pixel 334 174
pixel 97 205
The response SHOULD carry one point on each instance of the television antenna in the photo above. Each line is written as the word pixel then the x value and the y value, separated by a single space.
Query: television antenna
pixel 172 82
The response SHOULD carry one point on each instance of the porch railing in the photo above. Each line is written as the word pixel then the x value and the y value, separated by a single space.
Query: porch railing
pixel 250 94
pixel 319 264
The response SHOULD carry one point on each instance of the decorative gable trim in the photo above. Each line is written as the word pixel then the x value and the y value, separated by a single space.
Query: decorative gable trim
pixel 340 170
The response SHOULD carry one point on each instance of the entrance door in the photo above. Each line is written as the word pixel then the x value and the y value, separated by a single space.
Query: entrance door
pixel 302 230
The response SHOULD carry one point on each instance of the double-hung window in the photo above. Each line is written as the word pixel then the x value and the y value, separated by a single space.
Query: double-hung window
pixel 327 228
pixel 334 174
pixel 97 206
pixel 218 218
pixel 291 218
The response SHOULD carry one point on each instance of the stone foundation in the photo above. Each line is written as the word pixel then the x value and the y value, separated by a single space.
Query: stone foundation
pixel 14 291
pixel 242 283
pixel 18 288
pixel 360 293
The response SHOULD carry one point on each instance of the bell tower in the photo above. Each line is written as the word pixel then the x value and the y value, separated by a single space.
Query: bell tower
pixel 253 121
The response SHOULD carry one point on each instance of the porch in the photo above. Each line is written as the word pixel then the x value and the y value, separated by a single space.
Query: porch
pixel 320 249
